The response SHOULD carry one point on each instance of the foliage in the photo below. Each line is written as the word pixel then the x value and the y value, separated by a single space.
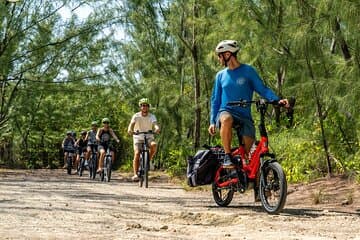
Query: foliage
pixel 62 73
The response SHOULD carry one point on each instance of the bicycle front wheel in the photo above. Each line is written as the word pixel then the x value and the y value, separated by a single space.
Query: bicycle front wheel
pixel 108 168
pixel 146 168
pixel 81 166
pixel 69 165
pixel 273 188
pixel 141 170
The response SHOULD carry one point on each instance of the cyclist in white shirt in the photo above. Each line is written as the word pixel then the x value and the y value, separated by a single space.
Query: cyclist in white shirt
pixel 142 121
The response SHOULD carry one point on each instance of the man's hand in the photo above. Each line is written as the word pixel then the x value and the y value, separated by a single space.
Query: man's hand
pixel 212 129
pixel 284 102
pixel 130 132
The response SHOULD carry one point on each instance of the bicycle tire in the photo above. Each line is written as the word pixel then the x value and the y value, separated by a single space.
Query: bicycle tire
pixel 90 167
pixel 81 166
pixel 141 171
pixel 69 165
pixel 108 169
pixel 95 163
pixel 146 168
pixel 222 196
pixel 273 188
pixel 102 176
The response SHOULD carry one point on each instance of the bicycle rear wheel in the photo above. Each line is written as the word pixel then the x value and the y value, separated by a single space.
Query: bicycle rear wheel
pixel 273 188
pixel 222 195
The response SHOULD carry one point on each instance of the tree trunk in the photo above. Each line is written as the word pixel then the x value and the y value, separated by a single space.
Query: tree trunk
pixel 340 38
pixel 320 113
pixel 280 81
pixel 195 58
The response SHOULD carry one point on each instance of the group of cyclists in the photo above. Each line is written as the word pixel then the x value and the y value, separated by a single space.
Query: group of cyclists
pixel 141 121
pixel 236 81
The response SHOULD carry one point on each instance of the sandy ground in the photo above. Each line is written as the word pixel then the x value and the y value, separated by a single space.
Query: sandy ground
pixel 49 204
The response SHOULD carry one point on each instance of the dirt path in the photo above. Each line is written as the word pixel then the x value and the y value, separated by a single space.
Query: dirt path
pixel 48 204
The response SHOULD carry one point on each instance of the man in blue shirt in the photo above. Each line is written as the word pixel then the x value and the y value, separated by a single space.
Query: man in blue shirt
pixel 236 81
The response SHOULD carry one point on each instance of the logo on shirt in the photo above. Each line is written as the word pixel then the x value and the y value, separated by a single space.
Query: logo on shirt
pixel 240 81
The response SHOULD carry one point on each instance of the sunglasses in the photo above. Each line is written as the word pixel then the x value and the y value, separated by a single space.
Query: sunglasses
pixel 144 105
pixel 105 122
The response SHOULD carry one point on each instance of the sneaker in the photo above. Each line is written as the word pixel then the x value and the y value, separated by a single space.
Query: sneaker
pixel 227 162
pixel 65 166
pixel 135 178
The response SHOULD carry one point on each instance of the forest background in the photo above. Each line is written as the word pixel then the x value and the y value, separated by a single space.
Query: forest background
pixel 61 73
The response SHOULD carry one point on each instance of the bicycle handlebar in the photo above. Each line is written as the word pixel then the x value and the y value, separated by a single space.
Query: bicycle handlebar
pixel 146 132
pixel 245 103
pixel 261 105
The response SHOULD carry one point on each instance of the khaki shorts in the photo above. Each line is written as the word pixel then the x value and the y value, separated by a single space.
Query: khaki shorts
pixel 138 145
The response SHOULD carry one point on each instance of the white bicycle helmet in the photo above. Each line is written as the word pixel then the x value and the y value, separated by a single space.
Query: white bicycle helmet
pixel 227 46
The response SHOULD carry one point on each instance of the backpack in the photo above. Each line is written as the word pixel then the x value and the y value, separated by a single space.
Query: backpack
pixel 201 168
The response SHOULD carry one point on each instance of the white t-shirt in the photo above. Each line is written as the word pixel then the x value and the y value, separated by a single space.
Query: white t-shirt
pixel 143 124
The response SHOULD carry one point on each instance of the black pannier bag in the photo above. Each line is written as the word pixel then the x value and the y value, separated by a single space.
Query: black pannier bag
pixel 201 168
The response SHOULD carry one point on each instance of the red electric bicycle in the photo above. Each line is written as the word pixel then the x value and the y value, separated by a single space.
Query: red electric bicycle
pixel 262 170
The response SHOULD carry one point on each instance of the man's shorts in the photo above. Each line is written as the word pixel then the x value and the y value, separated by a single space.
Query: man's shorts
pixel 138 145
pixel 244 126
pixel 80 150
pixel 69 150
pixel 105 147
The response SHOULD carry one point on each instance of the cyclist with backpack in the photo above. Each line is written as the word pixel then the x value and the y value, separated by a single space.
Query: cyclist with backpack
pixel 237 81
pixel 142 121
pixel 68 145
pixel 103 136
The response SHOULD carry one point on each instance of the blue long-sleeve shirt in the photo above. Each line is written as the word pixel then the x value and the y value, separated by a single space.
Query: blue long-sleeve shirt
pixel 234 85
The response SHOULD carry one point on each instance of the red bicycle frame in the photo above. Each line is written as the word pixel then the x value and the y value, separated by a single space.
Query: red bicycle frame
pixel 251 167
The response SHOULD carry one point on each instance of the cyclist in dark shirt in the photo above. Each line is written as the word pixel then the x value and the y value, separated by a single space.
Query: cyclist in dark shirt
pixel 103 136
pixel 68 147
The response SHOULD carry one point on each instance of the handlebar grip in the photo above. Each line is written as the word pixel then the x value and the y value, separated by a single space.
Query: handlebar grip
pixel 292 101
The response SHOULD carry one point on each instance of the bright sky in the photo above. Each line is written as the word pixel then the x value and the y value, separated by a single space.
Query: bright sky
pixel 83 12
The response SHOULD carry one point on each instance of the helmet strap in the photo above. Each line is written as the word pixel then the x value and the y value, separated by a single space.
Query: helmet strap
pixel 226 60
